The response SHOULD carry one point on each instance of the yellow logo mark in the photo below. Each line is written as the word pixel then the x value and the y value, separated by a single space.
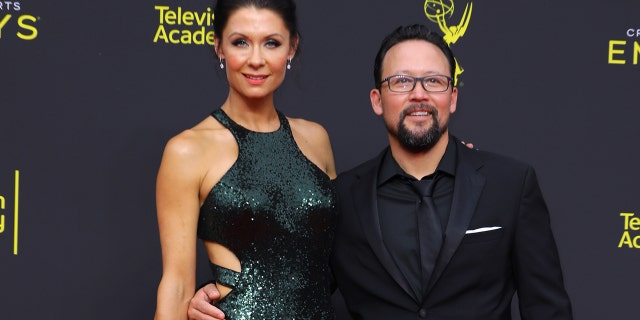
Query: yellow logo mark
pixel 439 11
pixel 3 22
pixel 15 212
pixel 2 207
pixel 631 223
pixel 183 26
pixel 25 22
pixel 617 51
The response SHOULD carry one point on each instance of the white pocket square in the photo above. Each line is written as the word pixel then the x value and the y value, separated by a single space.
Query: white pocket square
pixel 485 229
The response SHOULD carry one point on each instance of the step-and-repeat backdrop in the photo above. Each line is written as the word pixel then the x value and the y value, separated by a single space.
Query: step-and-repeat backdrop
pixel 91 91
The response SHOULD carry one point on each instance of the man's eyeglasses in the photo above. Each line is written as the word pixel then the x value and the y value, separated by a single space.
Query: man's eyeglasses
pixel 404 83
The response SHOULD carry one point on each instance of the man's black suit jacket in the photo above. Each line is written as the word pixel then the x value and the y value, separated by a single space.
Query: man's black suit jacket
pixel 498 241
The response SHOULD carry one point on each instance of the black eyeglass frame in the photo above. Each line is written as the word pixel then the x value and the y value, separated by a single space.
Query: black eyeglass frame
pixel 415 81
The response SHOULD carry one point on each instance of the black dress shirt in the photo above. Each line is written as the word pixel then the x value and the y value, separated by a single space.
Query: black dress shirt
pixel 397 204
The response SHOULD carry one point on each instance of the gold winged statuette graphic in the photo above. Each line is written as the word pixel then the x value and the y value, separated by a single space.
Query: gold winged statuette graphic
pixel 437 11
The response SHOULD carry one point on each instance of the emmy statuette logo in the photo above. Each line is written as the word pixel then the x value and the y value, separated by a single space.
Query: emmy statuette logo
pixel 440 12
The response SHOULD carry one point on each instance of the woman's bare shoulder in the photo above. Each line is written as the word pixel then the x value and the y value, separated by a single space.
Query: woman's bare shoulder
pixel 313 141
pixel 308 129
pixel 199 143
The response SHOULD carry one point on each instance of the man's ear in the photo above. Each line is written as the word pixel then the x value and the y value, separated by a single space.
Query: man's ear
pixel 376 101
pixel 454 100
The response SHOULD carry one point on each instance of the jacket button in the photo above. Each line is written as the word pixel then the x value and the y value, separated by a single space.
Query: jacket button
pixel 423 313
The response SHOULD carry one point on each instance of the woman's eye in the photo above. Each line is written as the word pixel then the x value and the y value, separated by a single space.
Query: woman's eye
pixel 272 44
pixel 240 43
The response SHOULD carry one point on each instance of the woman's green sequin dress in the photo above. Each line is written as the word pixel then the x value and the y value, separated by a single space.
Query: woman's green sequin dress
pixel 275 210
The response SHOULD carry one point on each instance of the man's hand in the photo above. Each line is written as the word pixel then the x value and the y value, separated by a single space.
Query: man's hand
pixel 200 307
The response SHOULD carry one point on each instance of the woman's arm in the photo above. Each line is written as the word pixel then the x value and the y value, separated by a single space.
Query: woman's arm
pixel 177 202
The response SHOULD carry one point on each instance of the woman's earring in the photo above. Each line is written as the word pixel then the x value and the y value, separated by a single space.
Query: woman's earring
pixel 288 64
pixel 221 63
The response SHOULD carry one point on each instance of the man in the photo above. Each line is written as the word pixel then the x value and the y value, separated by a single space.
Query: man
pixel 462 248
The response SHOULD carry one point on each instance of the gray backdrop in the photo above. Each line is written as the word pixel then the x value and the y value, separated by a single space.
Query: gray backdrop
pixel 88 99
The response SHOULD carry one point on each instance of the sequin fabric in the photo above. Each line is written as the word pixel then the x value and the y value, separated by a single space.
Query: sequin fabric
pixel 275 210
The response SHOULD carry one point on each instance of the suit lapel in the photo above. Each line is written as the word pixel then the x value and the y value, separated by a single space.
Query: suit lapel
pixel 468 187
pixel 366 207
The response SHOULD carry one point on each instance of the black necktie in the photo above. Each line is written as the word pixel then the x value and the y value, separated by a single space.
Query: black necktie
pixel 429 228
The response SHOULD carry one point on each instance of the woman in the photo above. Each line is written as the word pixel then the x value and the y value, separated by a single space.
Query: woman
pixel 253 184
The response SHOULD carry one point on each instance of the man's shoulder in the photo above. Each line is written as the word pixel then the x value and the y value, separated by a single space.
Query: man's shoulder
pixel 484 157
pixel 494 165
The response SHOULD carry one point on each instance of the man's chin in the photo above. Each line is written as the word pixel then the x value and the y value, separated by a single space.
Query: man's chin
pixel 418 143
